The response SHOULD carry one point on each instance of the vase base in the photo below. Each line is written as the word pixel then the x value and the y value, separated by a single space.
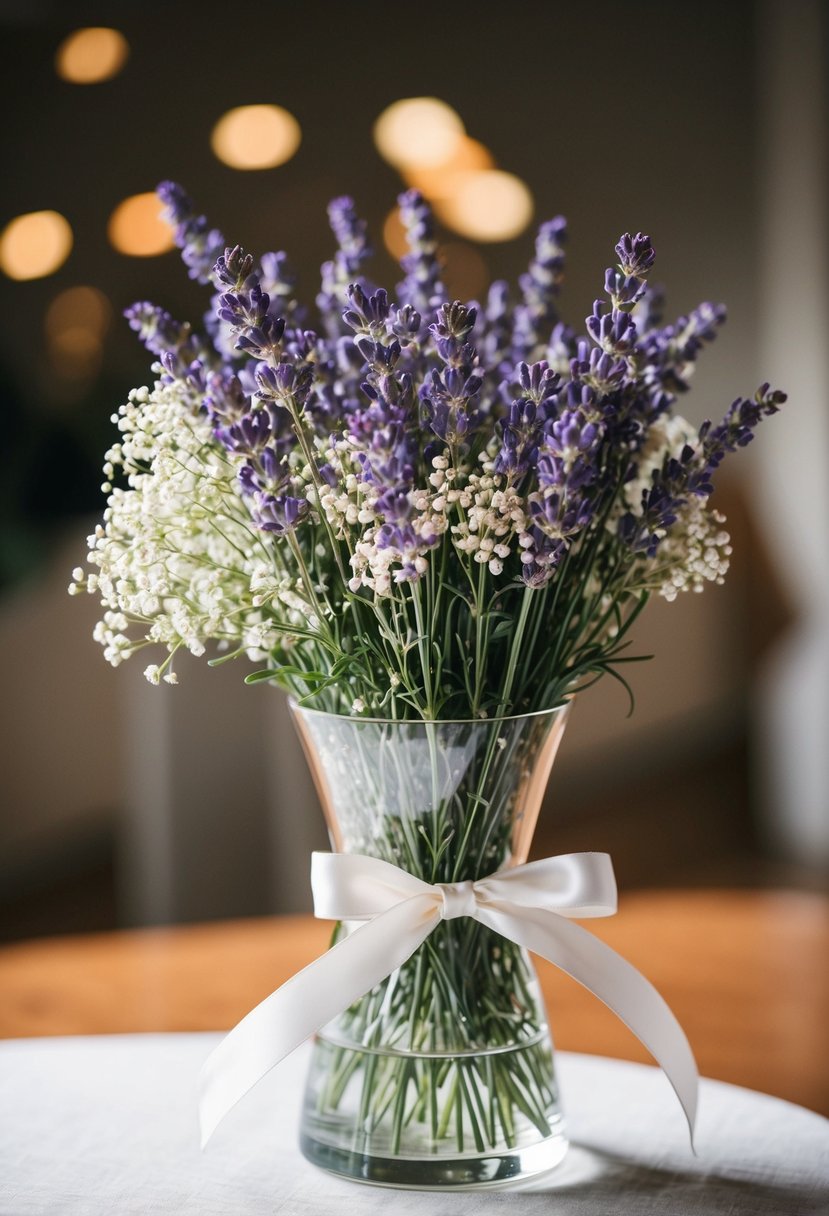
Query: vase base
pixel 475 1172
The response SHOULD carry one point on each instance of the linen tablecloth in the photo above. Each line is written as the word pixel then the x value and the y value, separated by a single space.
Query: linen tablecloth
pixel 108 1125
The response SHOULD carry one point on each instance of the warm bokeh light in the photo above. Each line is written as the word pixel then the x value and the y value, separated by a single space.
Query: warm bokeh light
pixel 465 273
pixel 256 137
pixel 441 181
pixel 394 235
pixel 418 132
pixel 76 322
pixel 34 245
pixel 488 206
pixel 84 307
pixel 91 55
pixel 136 227
pixel 76 353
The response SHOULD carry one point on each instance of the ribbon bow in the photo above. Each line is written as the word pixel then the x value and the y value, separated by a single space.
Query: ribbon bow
pixel 528 904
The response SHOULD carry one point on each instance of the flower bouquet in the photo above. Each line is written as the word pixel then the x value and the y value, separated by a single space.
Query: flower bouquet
pixel 433 523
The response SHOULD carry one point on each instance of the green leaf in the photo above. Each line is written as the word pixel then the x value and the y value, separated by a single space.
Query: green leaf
pixel 259 677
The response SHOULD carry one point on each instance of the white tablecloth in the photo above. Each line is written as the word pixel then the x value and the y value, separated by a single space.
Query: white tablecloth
pixel 108 1125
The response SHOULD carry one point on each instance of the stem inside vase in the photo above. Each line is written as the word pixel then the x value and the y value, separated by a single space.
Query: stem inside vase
pixel 443 1074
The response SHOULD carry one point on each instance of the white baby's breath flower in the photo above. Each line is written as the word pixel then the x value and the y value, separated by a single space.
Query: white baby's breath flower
pixel 170 554
pixel 696 551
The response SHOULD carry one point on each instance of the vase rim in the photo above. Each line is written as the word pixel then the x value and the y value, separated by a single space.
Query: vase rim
pixel 561 707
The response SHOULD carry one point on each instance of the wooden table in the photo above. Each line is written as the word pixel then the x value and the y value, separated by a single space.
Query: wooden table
pixel 745 972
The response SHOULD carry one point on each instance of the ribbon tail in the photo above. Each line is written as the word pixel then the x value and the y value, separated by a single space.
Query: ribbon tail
pixel 307 1002
pixel 615 982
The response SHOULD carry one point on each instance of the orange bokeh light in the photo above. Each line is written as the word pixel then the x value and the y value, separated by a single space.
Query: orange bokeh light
pixel 34 245
pixel 137 228
pixel 440 181
pixel 91 55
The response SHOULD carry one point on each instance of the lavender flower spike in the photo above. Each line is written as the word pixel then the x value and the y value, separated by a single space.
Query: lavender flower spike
pixel 540 286
pixel 246 306
pixel 421 287
pixel 200 244
pixel 353 252
pixel 636 254
pixel 158 331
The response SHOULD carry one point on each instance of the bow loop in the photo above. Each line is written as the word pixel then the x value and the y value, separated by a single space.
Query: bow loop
pixel 576 885
pixel 350 886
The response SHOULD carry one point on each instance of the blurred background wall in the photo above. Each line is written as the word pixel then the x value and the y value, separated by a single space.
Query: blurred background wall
pixel 122 803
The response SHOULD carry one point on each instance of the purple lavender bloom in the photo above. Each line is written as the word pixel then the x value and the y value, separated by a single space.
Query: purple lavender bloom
pixel 668 354
pixel 448 403
pixel 279 282
pixel 200 244
pixel 692 473
pixel 596 368
pixel 497 329
pixel 624 290
pixel 520 437
pixel 449 398
pixel 234 269
pixel 157 330
pixel 522 429
pixel 404 323
pixel 650 308
pixel 567 459
pixel 559 516
pixel 251 433
pixel 286 384
pixel 366 314
pixel 353 252
pixel 246 307
pixel 701 327
pixel 351 233
pixel 572 432
pixel 224 398
pixel 449 332
pixel 661 504
pixel 561 347
pixel 278 513
pixel 737 428
pixel 614 332
pixel 422 287
pixel 539 561
pixel 381 358
pixel 179 368
pixel 248 481
pixel 538 382
pixel 540 288
pixel 569 479
pixel 636 254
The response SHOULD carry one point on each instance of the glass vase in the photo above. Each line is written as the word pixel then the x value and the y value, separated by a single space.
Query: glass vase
pixel 442 1076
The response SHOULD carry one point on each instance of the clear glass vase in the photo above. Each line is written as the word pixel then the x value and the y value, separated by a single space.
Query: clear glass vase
pixel 442 1076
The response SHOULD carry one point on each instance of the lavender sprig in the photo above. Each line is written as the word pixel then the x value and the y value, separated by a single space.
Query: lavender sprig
pixel 540 287
pixel 346 266
pixel 422 287
pixel 200 244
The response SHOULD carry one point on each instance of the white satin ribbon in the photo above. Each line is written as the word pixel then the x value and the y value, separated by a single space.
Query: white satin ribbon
pixel 528 904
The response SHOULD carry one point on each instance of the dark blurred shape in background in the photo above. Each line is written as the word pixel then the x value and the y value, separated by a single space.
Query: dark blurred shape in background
pixel 126 804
